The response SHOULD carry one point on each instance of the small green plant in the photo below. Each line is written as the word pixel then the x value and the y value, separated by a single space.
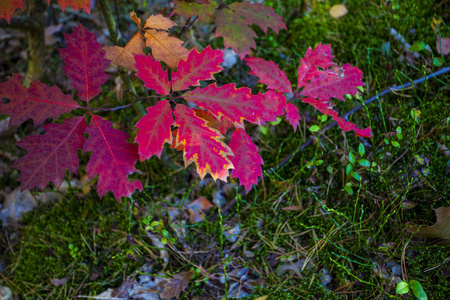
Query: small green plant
pixel 403 287
pixel 74 252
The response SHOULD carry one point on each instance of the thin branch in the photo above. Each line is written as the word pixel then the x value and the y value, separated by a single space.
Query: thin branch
pixel 346 115
pixel 125 106
pixel 187 25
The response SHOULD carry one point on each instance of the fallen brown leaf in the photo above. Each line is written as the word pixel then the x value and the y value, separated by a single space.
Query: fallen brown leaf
pixel 292 208
pixel 174 286
pixel 198 208
pixel 440 230
pixel 58 282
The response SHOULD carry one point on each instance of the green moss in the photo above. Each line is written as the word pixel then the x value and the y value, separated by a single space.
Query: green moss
pixel 83 240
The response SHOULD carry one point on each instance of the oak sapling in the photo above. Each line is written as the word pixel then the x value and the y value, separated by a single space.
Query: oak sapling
pixel 199 132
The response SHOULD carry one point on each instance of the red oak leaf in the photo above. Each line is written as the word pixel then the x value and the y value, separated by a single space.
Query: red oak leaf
pixel 292 115
pixel 246 160
pixel 331 84
pixel 319 85
pixel 85 62
pixel 38 102
pixel 222 124
pixel 154 130
pixel 198 66
pixel 235 32
pixel 274 103
pixel 7 8
pixel 112 158
pixel 202 144
pixel 204 9
pixel 324 107
pixel 320 56
pixel 235 104
pixel 269 73
pixel 151 72
pixel 233 22
pixel 256 13
pixel 75 4
pixel 49 155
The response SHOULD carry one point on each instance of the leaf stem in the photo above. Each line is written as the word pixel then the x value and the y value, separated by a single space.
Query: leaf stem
pixel 137 100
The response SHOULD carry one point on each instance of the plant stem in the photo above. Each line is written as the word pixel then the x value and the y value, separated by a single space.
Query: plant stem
pixel 36 42
pixel 117 41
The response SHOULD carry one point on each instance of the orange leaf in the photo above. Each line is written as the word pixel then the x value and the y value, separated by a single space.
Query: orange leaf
pixel 135 19
pixel 7 8
pixel 166 48
pixel 123 56
pixel 159 22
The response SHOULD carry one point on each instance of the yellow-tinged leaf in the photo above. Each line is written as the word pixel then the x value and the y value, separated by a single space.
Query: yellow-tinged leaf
pixel 123 56
pixel 338 10
pixel 159 22
pixel 166 48
pixel 202 144
pixel 262 298
pixel 135 18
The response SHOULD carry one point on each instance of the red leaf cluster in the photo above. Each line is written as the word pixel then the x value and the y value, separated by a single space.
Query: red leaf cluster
pixel 49 155
pixel 199 133
pixel 198 127
pixel 315 86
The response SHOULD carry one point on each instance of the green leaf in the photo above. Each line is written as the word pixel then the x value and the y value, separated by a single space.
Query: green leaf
pixel 322 118
pixel 361 149
pixel 417 290
pixel 356 176
pixel 352 158
pixel 275 123
pixel 314 128
pixel 330 169
pixel 319 162
pixel 348 169
pixel 437 61
pixel 402 288
pixel 364 162
pixel 417 46
pixel 263 130
pixel 348 189
pixel 395 144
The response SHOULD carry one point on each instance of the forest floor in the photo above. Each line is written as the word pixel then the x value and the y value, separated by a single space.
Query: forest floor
pixel 333 222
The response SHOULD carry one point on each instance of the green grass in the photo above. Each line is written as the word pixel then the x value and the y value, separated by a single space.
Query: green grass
pixel 354 230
